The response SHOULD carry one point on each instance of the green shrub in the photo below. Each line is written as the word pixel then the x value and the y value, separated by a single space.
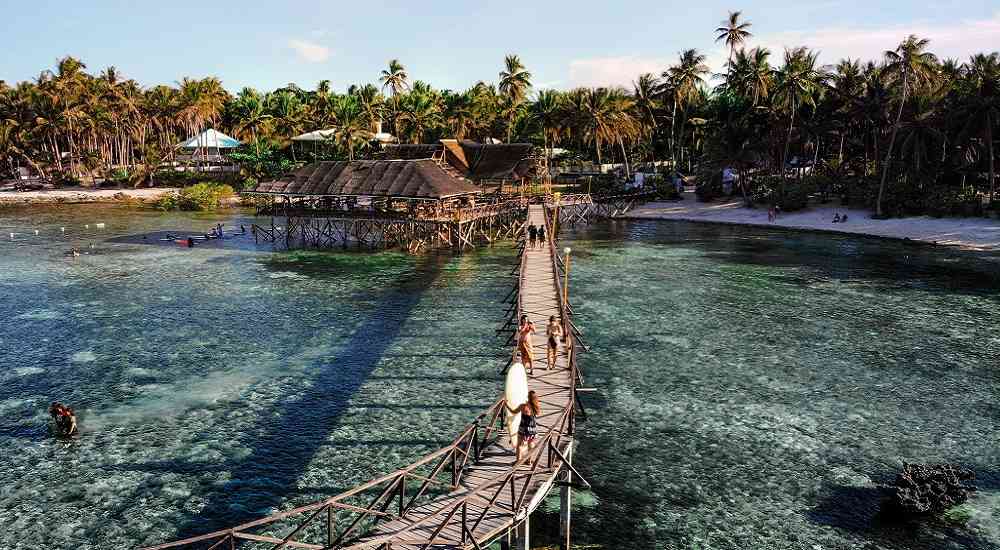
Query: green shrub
pixel 168 201
pixel 200 196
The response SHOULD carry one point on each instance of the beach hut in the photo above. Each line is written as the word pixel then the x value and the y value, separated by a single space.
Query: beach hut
pixel 314 142
pixel 209 145
pixel 208 150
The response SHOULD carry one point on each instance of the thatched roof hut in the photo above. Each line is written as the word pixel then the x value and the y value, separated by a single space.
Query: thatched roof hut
pixel 414 179
pixel 475 161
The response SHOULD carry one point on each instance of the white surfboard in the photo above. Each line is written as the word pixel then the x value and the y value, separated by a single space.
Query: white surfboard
pixel 516 393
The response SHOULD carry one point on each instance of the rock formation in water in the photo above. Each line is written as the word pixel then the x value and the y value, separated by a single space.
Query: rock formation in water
pixel 930 489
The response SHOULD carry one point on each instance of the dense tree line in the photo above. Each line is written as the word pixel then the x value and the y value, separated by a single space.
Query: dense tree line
pixel 897 134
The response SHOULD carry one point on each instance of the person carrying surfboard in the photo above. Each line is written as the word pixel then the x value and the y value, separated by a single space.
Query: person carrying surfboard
pixel 528 428
pixel 524 331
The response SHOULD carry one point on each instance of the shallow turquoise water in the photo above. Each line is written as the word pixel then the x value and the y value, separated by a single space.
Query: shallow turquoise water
pixel 215 385
pixel 754 385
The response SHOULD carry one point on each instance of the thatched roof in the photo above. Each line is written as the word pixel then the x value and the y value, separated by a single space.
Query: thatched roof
pixel 477 161
pixel 387 178
pixel 497 161
pixel 410 151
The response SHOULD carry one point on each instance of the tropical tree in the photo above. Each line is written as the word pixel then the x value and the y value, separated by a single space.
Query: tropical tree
pixel 515 81
pixel 549 114
pixel 909 66
pixel 353 126
pixel 395 78
pixel 684 80
pixel 647 91
pixel 733 33
pixel 980 108
pixel 798 82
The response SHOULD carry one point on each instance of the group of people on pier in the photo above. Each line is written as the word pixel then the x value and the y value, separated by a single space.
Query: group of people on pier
pixel 536 236
pixel 529 410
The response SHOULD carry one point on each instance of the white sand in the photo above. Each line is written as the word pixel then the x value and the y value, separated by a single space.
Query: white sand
pixel 71 195
pixel 971 233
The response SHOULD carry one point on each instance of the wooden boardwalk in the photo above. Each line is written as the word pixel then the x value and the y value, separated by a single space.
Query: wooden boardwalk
pixel 482 495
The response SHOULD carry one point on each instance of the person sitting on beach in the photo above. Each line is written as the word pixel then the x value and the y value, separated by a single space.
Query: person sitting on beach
pixel 532 235
pixel 554 333
pixel 836 217
pixel 524 331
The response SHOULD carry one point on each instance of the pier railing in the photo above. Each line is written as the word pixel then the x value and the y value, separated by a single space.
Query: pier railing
pixel 433 483
pixel 342 516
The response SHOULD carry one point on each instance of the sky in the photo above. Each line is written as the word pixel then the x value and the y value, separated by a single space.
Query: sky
pixel 455 44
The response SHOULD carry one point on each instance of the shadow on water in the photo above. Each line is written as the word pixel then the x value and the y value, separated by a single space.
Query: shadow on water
pixel 285 447
pixel 858 510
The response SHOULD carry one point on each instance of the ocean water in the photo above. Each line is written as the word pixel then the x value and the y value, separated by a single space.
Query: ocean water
pixel 754 386
pixel 215 385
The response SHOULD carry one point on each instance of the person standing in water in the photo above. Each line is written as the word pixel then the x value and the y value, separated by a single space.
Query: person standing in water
pixel 554 333
pixel 524 332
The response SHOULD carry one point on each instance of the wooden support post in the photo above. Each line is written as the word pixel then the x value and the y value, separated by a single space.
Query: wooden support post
pixel 565 504
pixel 523 529
pixel 331 533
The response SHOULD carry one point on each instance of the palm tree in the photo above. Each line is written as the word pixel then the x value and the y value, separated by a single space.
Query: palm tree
pixel 394 78
pixel 911 67
pixel 352 123
pixel 515 81
pixel 547 111
pixel 798 82
pixel 418 114
pixel 647 93
pixel 981 108
pixel 733 34
pixel 751 75
pixel 685 78
pixel 594 118
pixel 846 85
pixel 252 118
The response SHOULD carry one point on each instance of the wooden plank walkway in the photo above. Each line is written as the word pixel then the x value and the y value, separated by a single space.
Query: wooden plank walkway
pixel 538 300
pixel 482 493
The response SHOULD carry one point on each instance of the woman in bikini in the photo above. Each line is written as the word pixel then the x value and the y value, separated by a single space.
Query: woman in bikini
pixel 529 426
pixel 553 332
pixel 524 332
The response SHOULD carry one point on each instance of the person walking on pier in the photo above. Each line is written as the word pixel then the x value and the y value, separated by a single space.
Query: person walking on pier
pixel 554 333
pixel 524 331
pixel 528 428
pixel 532 235
pixel 541 235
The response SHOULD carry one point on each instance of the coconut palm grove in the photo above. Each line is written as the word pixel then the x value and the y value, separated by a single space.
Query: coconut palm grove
pixel 747 298
pixel 911 133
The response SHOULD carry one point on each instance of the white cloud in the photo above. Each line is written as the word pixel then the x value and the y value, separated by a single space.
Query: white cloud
pixel 613 71
pixel 309 51
pixel 948 40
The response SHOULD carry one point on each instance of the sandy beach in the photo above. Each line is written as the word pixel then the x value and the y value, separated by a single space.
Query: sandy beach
pixel 73 195
pixel 969 233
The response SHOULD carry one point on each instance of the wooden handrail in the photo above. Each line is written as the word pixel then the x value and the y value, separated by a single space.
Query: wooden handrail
pixel 463 448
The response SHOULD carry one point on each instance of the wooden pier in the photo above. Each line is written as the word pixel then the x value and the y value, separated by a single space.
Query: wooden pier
pixel 470 493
